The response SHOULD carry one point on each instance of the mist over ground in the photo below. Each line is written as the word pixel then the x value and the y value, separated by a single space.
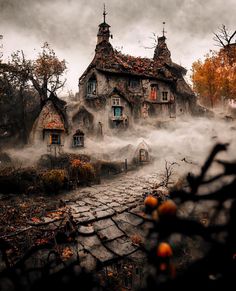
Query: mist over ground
pixel 186 141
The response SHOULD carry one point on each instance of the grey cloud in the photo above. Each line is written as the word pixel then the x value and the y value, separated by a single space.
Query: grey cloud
pixel 71 25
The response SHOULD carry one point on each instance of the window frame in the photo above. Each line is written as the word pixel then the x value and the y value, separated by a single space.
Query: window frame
pixel 75 141
pixel 92 86
pixel 116 101
pixel 153 93
pixel 114 111
pixel 165 95
pixel 134 83
pixel 53 140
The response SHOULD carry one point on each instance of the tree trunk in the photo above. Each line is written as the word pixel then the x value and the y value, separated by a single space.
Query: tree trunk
pixel 24 134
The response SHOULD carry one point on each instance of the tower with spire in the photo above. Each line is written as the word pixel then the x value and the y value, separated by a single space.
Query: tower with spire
pixel 104 29
pixel 162 52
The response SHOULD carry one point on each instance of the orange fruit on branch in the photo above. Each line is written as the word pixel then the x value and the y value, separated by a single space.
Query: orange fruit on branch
pixel 151 202
pixel 167 208
pixel 164 250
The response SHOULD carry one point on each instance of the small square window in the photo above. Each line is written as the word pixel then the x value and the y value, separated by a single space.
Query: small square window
pixel 55 138
pixel 164 96
pixel 115 101
pixel 134 83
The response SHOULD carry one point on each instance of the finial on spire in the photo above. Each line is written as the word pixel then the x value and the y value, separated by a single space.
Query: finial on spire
pixel 163 31
pixel 104 13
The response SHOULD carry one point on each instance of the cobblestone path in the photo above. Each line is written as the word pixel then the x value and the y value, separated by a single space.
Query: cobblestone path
pixel 109 217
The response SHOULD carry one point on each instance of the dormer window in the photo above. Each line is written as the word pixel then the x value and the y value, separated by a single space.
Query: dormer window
pixel 134 83
pixel 164 96
pixel 92 87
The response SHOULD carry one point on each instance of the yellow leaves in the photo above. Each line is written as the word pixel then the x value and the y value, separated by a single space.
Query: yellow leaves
pixel 215 77
pixel 53 180
pixel 84 170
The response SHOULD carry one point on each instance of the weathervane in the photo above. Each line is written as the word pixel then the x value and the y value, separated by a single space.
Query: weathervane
pixel 163 31
pixel 104 13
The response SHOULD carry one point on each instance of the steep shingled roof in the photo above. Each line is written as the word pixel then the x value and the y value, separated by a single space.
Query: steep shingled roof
pixel 110 60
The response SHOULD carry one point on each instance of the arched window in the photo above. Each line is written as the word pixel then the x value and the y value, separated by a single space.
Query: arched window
pixel 92 87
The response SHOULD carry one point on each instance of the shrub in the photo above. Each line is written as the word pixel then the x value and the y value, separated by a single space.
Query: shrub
pixel 14 180
pixel 82 171
pixel 53 180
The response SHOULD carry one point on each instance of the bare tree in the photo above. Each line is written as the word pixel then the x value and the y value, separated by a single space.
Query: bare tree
pixel 223 37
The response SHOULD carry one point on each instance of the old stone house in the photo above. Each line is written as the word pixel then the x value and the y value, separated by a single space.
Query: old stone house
pixel 118 89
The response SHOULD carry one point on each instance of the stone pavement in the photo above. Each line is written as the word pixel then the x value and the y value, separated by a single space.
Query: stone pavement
pixel 109 217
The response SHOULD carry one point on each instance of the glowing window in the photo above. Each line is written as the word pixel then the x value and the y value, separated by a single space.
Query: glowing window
pixel 153 95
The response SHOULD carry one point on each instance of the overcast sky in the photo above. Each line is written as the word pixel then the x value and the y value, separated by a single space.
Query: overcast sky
pixel 70 26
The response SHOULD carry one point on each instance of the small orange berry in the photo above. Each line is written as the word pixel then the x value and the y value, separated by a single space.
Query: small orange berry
pixel 151 201
pixel 167 208
pixel 163 267
pixel 164 250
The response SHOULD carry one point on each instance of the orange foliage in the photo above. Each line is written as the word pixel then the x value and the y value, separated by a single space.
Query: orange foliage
pixel 215 78
pixel 83 170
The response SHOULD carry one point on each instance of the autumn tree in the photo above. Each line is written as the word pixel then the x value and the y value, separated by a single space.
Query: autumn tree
pixel 214 78
pixel 44 74
pixel 47 72
pixel 21 77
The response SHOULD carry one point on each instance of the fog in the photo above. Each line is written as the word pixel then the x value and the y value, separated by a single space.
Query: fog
pixel 185 141
pixel 190 139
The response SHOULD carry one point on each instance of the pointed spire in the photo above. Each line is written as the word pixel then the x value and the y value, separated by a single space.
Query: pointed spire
pixel 162 52
pixel 163 31
pixel 103 31
pixel 104 13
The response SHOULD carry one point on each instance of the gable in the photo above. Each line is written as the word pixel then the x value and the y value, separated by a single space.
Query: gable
pixel 50 118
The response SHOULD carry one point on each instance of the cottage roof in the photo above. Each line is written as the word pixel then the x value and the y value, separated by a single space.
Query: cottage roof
pixel 109 60
pixel 160 67
pixel 53 114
